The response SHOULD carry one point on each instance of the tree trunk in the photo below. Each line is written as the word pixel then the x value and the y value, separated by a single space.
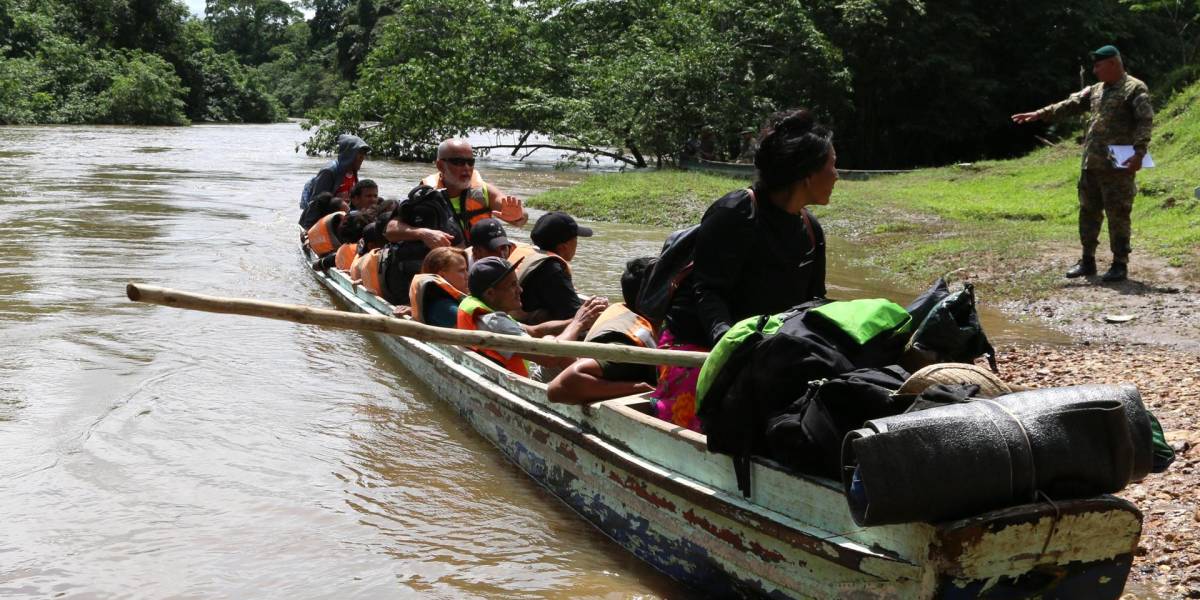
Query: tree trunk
pixel 520 143
pixel 641 161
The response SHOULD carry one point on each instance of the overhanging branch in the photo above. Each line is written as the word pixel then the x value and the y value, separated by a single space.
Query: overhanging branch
pixel 579 149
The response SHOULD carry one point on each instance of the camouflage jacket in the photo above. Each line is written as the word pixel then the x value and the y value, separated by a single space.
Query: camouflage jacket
pixel 1120 113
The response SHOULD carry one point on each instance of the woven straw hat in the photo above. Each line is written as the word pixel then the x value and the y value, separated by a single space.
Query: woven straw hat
pixel 990 386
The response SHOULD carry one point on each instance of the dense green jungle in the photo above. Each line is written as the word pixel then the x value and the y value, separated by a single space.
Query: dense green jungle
pixel 904 83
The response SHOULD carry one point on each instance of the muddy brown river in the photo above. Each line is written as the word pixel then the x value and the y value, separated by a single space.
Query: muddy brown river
pixel 147 452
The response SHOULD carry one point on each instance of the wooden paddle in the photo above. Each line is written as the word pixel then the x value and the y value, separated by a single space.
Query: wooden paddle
pixel 410 329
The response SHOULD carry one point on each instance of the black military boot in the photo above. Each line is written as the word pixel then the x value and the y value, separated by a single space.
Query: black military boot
pixel 1117 272
pixel 1085 266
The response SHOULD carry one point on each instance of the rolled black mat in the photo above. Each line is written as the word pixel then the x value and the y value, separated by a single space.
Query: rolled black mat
pixel 958 460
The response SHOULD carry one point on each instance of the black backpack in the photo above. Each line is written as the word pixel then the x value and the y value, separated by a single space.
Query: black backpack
pixel 766 374
pixel 807 436
pixel 952 332
pixel 671 269
pixel 666 274
pixel 761 378
pixel 430 208
pixel 425 207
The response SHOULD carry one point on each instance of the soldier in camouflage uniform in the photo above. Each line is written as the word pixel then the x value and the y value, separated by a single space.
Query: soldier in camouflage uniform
pixel 1120 114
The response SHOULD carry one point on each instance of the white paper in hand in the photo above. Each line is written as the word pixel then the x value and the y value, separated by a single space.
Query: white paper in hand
pixel 1120 154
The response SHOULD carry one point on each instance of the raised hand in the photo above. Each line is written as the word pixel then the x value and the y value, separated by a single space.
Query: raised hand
pixel 511 209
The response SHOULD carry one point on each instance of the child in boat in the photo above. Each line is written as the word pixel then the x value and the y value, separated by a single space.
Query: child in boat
pixel 590 380
pixel 547 290
pixel 495 292
pixel 436 291
pixel 322 204
pixel 489 239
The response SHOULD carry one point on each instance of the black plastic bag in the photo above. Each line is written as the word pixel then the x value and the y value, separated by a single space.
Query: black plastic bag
pixel 952 331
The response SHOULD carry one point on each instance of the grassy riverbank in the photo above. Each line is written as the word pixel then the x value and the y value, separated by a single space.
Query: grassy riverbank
pixel 1011 224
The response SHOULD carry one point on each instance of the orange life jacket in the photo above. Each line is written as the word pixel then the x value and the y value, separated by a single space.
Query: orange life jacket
pixel 366 268
pixel 322 238
pixel 345 256
pixel 471 206
pixel 424 284
pixel 618 323
pixel 533 258
pixel 469 310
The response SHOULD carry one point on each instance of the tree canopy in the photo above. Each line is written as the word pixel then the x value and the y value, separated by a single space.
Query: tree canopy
pixel 902 82
pixel 148 61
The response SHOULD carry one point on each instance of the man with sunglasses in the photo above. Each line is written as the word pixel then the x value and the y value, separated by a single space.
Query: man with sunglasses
pixel 472 199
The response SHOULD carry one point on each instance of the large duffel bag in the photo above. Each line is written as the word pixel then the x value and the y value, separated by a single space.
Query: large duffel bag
pixel 962 459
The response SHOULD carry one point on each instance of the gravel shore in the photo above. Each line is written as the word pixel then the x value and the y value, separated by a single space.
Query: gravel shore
pixel 1168 557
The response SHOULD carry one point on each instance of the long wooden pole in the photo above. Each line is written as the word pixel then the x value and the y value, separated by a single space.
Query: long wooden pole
pixel 409 328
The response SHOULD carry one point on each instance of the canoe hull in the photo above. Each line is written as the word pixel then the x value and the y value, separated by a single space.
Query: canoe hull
pixel 695 528
pixel 1097 579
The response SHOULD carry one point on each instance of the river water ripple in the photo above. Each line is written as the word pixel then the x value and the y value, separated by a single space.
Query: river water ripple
pixel 150 452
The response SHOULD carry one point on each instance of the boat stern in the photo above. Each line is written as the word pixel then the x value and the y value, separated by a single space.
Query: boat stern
pixel 1071 549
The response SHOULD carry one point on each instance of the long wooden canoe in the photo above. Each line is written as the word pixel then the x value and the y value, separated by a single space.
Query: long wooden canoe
pixel 656 490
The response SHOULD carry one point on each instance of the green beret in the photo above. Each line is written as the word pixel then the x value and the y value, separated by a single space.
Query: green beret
pixel 1104 52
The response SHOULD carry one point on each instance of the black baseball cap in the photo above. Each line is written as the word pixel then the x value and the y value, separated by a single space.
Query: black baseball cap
pixel 489 233
pixel 554 228
pixel 486 273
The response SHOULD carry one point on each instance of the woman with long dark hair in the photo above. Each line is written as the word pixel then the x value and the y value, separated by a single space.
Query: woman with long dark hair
pixel 758 251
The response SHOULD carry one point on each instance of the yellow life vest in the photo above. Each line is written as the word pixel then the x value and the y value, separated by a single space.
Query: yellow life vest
pixel 469 311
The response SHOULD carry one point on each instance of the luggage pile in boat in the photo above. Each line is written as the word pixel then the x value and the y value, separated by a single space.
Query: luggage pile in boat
pixel 826 392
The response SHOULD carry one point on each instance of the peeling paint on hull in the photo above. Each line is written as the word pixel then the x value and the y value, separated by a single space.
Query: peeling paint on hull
pixel 795 539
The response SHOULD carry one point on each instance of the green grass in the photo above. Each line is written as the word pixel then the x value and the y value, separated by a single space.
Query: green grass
pixel 1012 222
pixel 664 198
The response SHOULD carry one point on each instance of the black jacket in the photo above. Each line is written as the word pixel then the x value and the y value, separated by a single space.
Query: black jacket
pixel 550 288
pixel 752 259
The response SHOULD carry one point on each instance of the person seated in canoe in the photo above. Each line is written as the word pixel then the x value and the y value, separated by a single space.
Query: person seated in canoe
pixel 471 198
pixel 359 234
pixel 488 238
pixel 364 269
pixel 335 239
pixel 321 237
pixel 436 291
pixel 364 194
pixel 758 251
pixel 590 380
pixel 495 292
pixel 322 205
pixel 339 176
pixel 547 290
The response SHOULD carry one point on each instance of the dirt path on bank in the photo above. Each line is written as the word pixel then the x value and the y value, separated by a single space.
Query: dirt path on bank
pixel 1145 331
pixel 1157 306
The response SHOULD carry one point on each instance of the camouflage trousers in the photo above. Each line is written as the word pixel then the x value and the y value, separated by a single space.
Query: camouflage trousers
pixel 1106 193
